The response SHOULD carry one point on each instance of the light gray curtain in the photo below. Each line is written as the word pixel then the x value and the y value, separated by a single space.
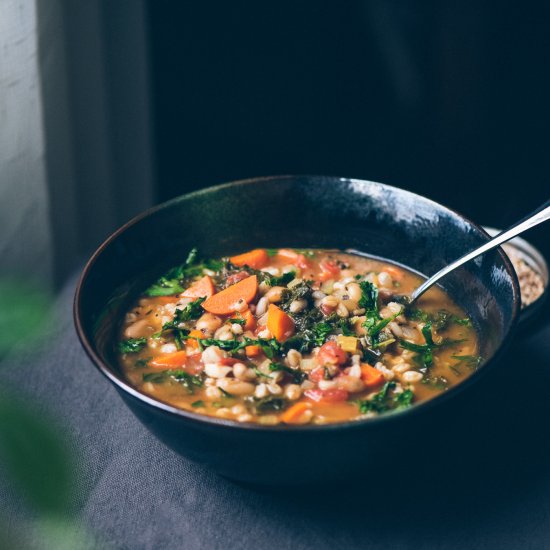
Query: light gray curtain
pixel 25 235
pixel 75 130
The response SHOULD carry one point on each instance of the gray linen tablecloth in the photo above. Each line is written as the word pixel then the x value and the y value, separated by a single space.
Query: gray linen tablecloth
pixel 133 492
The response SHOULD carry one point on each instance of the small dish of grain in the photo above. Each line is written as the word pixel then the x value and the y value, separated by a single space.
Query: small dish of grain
pixel 532 271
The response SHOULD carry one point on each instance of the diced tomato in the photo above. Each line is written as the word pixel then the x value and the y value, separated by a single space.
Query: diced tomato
pixel 329 270
pixel 228 361
pixel 328 396
pixel 317 374
pixel 294 257
pixel 331 353
pixel 236 277
pixel 327 310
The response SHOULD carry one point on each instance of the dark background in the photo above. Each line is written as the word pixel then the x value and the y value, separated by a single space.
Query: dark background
pixel 445 99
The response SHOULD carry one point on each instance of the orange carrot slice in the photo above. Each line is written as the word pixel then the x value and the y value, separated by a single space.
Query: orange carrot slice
pixel 203 288
pixel 293 414
pixel 371 377
pixel 230 299
pixel 195 335
pixel 249 319
pixel 255 258
pixel 176 359
pixel 253 351
pixel 279 323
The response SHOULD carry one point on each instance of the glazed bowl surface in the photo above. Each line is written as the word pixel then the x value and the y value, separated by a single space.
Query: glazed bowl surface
pixel 300 212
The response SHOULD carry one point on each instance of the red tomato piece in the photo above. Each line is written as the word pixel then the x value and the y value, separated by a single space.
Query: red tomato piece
pixel 228 361
pixel 317 374
pixel 331 353
pixel 329 270
pixel 236 277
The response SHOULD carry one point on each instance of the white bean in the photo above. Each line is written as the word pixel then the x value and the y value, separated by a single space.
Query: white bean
pixel 242 372
pixel 355 371
pixel 400 368
pixel 293 392
pixel 236 328
pixel 350 384
pixel 342 310
pixel 275 294
pixel 236 387
pixel 385 279
pixel 261 306
pixel 261 390
pixel 213 354
pixel 212 392
pixel 275 389
pixel 353 290
pixel 293 358
pixel 208 323
pixel 224 333
pixel 137 330
pixel 411 376
pixel 168 348
pixel 330 301
pixel 215 370
pixel 297 305
pixel 238 409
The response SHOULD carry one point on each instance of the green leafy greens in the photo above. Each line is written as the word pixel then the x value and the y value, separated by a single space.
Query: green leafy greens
pixel 386 400
pixel 297 375
pixel 188 381
pixel 132 345
pixel 175 280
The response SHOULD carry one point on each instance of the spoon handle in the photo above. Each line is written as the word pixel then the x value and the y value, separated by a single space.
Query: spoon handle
pixel 540 215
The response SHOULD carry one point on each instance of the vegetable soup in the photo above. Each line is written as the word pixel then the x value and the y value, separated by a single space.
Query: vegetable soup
pixel 295 337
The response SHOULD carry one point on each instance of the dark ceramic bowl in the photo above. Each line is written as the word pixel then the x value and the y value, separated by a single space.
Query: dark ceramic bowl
pixel 297 211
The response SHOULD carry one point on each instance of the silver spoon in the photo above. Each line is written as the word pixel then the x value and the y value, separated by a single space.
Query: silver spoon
pixel 540 215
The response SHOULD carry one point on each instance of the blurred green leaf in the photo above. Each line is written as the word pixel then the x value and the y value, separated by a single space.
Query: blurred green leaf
pixel 24 310
pixel 34 454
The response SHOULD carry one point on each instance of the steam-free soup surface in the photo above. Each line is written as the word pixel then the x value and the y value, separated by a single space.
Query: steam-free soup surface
pixel 294 337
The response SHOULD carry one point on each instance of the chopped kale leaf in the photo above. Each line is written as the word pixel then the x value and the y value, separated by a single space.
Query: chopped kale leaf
pixel 267 404
pixel 386 400
pixel 297 375
pixel 188 381
pixel 470 361
pixel 175 280
pixel 132 345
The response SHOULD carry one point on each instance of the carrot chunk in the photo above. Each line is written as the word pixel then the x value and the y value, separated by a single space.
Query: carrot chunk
pixel 253 351
pixel 203 288
pixel 293 414
pixel 230 299
pixel 371 377
pixel 279 323
pixel 195 335
pixel 255 258
pixel 249 319
pixel 176 359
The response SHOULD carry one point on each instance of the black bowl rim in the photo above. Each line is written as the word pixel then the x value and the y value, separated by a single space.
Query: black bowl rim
pixel 211 421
